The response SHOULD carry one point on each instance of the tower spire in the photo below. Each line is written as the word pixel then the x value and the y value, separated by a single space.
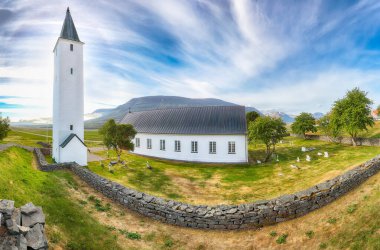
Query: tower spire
pixel 68 29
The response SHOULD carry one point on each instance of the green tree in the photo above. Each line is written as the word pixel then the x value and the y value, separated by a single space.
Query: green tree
pixel 4 127
pixel 353 113
pixel 304 122
pixel 329 127
pixel 118 136
pixel 269 131
pixel 378 110
pixel 251 116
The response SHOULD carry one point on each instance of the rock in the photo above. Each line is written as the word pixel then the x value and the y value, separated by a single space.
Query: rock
pixel 12 227
pixel 22 244
pixel 28 208
pixel 36 238
pixel 16 216
pixel 7 207
pixel 23 230
pixel 34 218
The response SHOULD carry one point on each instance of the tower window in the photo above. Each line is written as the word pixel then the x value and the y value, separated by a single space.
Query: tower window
pixel 71 47
pixel 71 70
pixel 71 127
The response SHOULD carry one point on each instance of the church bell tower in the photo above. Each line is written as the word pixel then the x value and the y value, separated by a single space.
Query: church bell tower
pixel 68 124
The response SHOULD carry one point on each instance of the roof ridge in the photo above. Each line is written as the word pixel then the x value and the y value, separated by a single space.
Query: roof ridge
pixel 189 107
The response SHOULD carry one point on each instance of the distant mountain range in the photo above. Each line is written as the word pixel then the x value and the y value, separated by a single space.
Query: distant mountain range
pixel 277 114
pixel 152 103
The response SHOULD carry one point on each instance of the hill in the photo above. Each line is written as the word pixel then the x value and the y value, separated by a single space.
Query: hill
pixel 151 103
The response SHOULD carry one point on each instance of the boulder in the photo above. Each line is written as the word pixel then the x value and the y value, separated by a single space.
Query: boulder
pixel 33 218
pixel 28 208
pixel 12 227
pixel 22 244
pixel 7 207
pixel 36 237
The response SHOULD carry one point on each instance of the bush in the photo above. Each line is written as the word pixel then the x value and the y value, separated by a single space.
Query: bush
pixel 273 233
pixel 332 220
pixel 310 234
pixel 282 239
pixel 352 208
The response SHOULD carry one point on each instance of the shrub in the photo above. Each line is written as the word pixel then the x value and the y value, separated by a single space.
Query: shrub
pixel 310 234
pixel 282 239
pixel 273 233
pixel 352 208
pixel 133 236
pixel 323 245
pixel 332 220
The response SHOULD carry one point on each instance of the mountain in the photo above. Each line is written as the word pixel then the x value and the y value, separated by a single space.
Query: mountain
pixel 318 115
pixel 277 114
pixel 151 103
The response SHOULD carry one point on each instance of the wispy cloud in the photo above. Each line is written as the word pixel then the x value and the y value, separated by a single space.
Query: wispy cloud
pixel 294 55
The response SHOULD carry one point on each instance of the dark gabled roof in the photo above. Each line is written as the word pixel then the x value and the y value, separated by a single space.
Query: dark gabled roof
pixel 69 138
pixel 68 29
pixel 190 120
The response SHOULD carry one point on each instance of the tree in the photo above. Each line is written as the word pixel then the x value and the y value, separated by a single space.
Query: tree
pixel 269 131
pixel 353 113
pixel 329 127
pixel 305 122
pixel 118 136
pixel 251 116
pixel 4 127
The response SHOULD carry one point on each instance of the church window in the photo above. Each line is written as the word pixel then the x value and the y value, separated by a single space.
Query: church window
pixel 71 127
pixel 162 144
pixel 231 147
pixel 149 143
pixel 212 147
pixel 137 142
pixel 71 47
pixel 71 70
pixel 194 147
pixel 177 146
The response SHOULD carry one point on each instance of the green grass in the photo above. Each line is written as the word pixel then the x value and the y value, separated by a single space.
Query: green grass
pixel 30 136
pixel 22 183
pixel 237 183
pixel 372 132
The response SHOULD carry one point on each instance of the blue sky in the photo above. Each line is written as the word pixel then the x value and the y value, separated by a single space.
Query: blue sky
pixel 292 56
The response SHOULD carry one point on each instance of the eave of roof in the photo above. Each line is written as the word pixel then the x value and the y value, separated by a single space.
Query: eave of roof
pixel 69 138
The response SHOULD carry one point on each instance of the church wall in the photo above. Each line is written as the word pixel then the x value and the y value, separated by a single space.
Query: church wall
pixel 185 154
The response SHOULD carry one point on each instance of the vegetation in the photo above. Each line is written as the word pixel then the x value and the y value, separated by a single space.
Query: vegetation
pixel 4 127
pixel 269 131
pixel 118 136
pixel 327 127
pixel 251 116
pixel 353 113
pixel 198 183
pixel 67 224
pixel 305 122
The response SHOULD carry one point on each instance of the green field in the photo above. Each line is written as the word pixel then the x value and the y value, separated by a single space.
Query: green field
pixel 67 224
pixel 30 136
pixel 217 183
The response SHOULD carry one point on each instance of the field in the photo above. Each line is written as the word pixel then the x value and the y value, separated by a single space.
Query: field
pixel 221 184
pixel 373 132
pixel 30 136
pixel 80 218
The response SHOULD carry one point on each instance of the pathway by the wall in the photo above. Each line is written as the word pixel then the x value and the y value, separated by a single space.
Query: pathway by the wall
pixel 251 215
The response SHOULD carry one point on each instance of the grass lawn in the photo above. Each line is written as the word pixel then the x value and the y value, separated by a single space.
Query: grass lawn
pixel 30 136
pixel 373 132
pixel 68 226
pixel 226 184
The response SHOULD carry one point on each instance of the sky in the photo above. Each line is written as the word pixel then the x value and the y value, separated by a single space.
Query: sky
pixel 291 56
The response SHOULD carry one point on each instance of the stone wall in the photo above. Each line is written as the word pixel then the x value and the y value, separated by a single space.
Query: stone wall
pixel 22 228
pixel 345 140
pixel 251 215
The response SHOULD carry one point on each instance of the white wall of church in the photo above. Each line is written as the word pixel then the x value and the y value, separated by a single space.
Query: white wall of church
pixel 203 155
pixel 75 151
pixel 68 93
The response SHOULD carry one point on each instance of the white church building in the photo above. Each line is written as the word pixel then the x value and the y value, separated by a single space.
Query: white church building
pixel 68 124
pixel 198 134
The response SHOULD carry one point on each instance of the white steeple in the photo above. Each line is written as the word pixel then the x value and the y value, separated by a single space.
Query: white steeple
pixel 68 125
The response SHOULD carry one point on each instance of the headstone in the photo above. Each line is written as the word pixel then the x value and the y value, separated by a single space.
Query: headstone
pixel 294 166
pixel 277 159
pixel 303 149
pixel 258 162
pixel 308 158
pixel 319 153
pixel 326 154
pixel 280 174
pixel 298 159
pixel 148 166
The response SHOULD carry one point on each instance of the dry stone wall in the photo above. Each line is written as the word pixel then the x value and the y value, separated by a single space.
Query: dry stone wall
pixel 21 228
pixel 344 140
pixel 251 215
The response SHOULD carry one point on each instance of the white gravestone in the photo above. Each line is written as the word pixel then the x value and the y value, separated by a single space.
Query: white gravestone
pixel 326 154
pixel 308 158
